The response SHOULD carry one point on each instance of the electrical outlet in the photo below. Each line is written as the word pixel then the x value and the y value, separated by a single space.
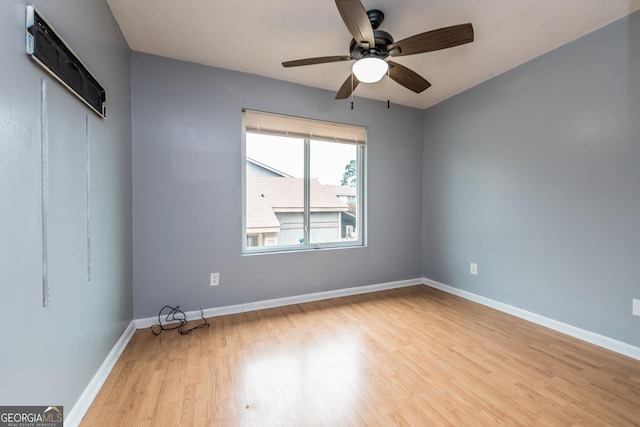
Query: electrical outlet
pixel 214 279
pixel 636 307
pixel 473 268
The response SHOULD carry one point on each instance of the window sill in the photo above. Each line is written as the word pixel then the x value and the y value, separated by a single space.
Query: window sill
pixel 297 249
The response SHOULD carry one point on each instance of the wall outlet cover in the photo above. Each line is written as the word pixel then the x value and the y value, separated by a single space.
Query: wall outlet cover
pixel 636 307
pixel 214 279
pixel 473 268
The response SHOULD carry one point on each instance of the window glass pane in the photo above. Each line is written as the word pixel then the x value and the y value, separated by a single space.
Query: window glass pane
pixel 303 183
pixel 333 192
pixel 274 191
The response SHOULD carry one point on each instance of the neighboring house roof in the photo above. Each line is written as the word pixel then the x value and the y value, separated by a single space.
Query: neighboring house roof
pixel 271 171
pixel 268 195
pixel 260 215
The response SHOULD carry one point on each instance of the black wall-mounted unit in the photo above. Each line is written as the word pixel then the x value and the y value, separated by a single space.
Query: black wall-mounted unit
pixel 46 48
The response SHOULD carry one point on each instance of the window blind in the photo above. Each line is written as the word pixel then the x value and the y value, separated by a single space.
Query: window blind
pixel 297 127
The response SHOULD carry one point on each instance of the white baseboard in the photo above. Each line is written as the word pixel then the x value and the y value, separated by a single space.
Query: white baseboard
pixel 280 302
pixel 78 411
pixel 581 334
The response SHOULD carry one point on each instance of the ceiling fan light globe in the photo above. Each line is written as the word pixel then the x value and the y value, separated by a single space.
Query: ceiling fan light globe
pixel 370 70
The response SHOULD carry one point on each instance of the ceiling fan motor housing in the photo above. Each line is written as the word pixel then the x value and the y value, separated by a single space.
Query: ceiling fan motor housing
pixel 382 40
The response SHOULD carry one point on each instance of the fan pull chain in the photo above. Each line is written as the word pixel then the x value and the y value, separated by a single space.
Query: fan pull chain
pixel 352 91
pixel 388 102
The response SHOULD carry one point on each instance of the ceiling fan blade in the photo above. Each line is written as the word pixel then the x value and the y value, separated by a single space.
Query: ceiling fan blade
pixel 433 40
pixel 407 78
pixel 312 61
pixel 357 21
pixel 347 87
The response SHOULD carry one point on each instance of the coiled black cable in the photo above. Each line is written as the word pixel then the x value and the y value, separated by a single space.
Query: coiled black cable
pixel 176 315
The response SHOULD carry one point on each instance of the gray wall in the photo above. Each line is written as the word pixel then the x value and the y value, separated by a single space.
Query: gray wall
pixel 187 195
pixel 535 176
pixel 49 355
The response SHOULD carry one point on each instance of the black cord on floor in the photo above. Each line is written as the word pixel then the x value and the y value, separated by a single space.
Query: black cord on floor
pixel 175 314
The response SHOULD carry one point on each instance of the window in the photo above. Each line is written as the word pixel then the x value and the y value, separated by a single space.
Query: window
pixel 303 183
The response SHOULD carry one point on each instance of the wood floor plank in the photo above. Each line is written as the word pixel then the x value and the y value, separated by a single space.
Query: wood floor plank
pixel 412 356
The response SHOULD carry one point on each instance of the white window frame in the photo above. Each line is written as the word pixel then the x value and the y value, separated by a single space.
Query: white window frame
pixel 309 130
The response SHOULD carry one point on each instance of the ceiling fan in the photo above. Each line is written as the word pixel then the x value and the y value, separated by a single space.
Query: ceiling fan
pixel 370 47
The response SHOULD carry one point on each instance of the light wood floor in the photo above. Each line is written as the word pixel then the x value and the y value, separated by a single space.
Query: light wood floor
pixel 413 356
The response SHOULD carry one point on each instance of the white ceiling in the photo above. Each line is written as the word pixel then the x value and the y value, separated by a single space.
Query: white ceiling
pixel 255 36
